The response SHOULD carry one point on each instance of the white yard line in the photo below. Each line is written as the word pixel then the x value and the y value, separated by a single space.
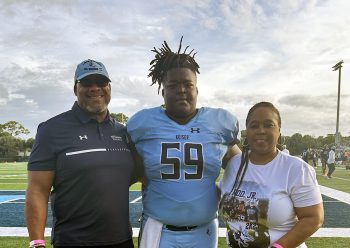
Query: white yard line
pixel 14 190
pixel 336 194
pixel 23 176
pixel 323 232
pixel 12 183
pixel 344 179
pixel 137 199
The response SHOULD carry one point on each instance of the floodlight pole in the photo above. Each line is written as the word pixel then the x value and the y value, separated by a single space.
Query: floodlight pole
pixel 337 67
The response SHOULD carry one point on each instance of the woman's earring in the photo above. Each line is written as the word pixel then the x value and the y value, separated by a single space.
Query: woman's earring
pixel 282 140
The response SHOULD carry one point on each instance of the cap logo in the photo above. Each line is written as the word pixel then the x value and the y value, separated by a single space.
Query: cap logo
pixel 89 67
pixel 92 66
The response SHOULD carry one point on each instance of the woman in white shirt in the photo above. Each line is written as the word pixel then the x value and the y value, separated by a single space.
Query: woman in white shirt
pixel 277 191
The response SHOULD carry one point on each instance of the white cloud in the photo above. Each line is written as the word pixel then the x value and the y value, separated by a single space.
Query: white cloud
pixel 249 51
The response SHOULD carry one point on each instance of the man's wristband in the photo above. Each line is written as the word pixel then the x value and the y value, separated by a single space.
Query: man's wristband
pixel 37 243
pixel 276 245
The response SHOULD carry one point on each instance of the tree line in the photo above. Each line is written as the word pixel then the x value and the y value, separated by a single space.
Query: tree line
pixel 11 146
pixel 14 148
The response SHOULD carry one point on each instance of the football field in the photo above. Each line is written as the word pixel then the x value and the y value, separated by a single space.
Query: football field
pixel 335 193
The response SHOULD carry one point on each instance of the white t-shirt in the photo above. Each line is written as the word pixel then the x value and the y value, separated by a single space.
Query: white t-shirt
pixel 263 209
pixel 331 157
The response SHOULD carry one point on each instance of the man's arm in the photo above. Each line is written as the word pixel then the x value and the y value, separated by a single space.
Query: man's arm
pixel 232 150
pixel 138 173
pixel 37 197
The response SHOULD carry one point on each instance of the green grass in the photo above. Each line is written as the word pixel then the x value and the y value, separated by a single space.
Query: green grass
pixel 10 242
pixel 340 180
pixel 13 176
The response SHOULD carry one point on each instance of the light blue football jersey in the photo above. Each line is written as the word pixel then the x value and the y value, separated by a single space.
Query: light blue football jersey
pixel 182 162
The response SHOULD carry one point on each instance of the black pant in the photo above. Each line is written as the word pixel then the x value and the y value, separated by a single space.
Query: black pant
pixel 126 244
pixel 324 166
pixel 331 169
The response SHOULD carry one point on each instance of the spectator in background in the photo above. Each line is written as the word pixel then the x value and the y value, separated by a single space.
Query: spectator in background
pixel 285 150
pixel 331 162
pixel 313 155
pixel 305 155
pixel 324 158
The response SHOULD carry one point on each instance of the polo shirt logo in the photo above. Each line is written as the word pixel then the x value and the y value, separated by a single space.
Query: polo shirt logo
pixel 116 138
pixel 81 137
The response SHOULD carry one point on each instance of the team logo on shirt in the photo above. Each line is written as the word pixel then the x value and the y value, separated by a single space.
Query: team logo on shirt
pixel 197 130
pixel 182 136
pixel 81 137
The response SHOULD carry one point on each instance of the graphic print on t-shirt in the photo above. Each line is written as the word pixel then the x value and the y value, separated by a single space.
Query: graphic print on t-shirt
pixel 246 216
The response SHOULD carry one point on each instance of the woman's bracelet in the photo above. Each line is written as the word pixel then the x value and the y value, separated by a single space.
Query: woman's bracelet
pixel 37 243
pixel 276 245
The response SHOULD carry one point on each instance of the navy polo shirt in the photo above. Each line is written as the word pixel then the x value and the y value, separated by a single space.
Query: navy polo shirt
pixel 93 166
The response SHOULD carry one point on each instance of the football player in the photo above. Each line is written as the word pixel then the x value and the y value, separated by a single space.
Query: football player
pixel 183 149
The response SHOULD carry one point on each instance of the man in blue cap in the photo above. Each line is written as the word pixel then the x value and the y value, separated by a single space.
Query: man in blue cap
pixel 82 160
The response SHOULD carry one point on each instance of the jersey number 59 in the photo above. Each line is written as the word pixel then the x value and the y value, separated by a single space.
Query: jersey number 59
pixel 187 160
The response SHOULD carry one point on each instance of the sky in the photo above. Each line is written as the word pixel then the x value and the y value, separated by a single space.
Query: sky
pixel 248 51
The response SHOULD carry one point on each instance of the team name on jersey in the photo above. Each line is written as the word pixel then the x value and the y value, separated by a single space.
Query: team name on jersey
pixel 182 136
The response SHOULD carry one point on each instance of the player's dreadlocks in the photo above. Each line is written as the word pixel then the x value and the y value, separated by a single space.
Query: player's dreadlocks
pixel 165 59
pixel 245 151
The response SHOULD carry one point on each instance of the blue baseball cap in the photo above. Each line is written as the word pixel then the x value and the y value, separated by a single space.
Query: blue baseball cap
pixel 89 67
